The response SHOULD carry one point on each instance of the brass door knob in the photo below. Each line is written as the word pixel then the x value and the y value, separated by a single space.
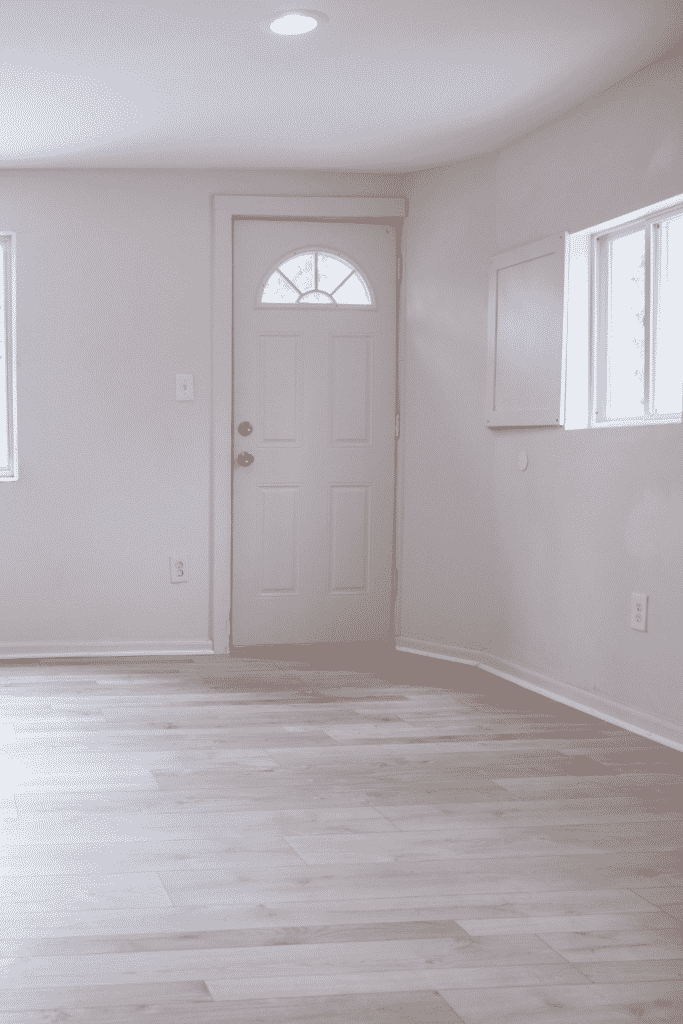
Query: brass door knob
pixel 245 459
pixel 245 428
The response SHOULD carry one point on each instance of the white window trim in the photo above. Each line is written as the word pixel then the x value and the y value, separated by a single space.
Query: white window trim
pixel 8 402
pixel 581 341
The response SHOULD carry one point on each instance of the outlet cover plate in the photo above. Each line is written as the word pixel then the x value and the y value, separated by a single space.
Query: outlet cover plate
pixel 178 566
pixel 184 387
pixel 639 612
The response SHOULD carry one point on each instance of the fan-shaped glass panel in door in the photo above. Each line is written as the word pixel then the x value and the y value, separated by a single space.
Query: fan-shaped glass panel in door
pixel 315 277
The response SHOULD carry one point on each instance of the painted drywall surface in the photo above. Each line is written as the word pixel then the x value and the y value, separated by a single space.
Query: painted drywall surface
pixel 597 514
pixel 450 578
pixel 114 299
pixel 621 151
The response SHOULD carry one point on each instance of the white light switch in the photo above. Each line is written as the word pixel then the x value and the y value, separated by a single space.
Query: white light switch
pixel 184 387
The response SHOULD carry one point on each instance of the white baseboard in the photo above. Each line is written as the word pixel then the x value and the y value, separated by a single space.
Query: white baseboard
pixel 108 649
pixel 633 719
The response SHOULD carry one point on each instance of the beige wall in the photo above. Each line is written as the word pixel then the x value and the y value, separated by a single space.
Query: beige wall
pixel 113 299
pixel 538 567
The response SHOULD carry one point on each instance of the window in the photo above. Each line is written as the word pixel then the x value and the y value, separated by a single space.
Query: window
pixel 638 321
pixel 316 278
pixel 8 420
pixel 624 345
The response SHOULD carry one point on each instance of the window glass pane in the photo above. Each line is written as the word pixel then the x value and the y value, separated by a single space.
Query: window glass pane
pixel 331 271
pixel 279 290
pixel 301 271
pixel 624 329
pixel 353 291
pixel 337 282
pixel 668 337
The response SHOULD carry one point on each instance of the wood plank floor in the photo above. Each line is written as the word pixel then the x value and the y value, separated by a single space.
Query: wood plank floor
pixel 343 835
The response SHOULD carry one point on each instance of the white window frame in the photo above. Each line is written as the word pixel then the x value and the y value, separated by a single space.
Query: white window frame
pixel 584 347
pixel 8 362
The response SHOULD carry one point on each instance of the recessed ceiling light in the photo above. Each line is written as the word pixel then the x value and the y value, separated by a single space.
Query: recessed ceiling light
pixel 294 24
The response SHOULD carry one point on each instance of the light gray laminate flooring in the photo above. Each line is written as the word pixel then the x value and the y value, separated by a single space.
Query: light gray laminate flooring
pixel 330 839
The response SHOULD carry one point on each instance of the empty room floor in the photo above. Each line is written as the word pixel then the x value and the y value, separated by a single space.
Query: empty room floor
pixel 329 838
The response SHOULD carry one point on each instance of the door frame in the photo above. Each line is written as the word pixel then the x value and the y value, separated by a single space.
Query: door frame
pixel 225 209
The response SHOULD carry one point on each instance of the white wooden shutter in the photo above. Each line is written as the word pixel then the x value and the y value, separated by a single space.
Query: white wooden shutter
pixel 526 335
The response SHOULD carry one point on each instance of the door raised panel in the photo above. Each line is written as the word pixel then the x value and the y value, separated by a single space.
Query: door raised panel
pixel 352 387
pixel 349 538
pixel 280 389
pixel 279 516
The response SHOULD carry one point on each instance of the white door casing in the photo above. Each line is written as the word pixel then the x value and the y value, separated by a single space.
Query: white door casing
pixel 313 514
pixel 225 209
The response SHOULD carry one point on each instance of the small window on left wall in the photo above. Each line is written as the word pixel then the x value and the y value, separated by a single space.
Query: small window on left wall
pixel 8 373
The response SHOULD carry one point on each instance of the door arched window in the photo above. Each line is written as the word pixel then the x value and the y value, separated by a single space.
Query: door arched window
pixel 315 277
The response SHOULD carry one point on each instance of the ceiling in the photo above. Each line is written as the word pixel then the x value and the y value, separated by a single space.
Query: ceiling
pixel 379 86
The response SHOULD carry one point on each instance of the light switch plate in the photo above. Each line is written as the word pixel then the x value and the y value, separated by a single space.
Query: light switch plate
pixel 184 387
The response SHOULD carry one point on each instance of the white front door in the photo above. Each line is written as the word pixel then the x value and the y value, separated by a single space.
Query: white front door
pixel 314 405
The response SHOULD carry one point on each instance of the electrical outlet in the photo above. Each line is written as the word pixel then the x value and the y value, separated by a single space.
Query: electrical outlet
pixel 639 612
pixel 184 387
pixel 178 565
